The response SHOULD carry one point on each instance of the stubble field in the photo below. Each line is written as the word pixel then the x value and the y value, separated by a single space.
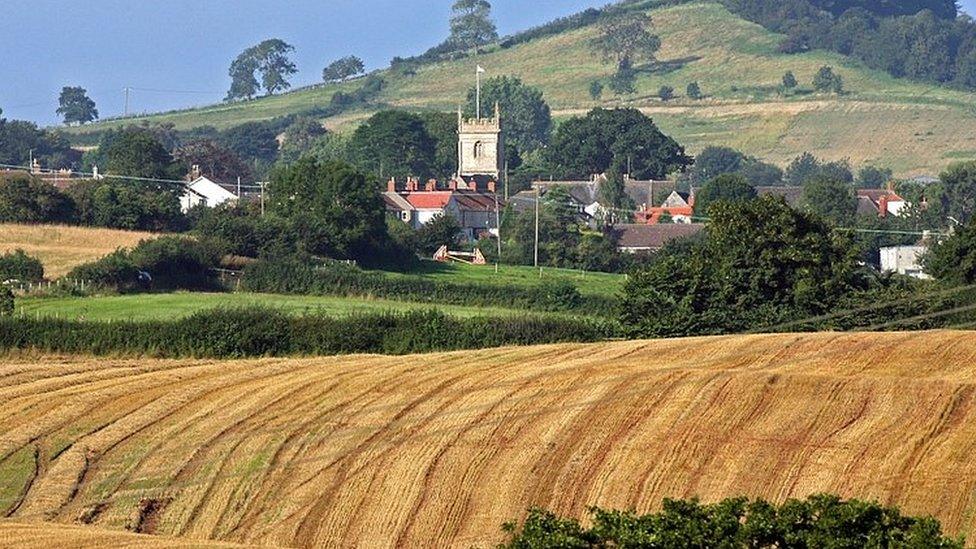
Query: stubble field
pixel 440 450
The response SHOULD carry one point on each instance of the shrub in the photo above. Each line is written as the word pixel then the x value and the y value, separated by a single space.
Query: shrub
pixel 19 266
pixel 173 263
pixel 694 91
pixel 115 270
pixel 666 93
pixel 6 301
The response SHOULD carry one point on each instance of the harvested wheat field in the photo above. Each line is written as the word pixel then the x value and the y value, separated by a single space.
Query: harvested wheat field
pixel 440 450
pixel 83 537
pixel 62 248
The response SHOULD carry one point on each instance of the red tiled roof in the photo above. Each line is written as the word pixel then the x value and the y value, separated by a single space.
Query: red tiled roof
pixel 436 200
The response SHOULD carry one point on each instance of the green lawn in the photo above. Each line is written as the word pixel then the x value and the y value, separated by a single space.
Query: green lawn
pixel 177 305
pixel 588 283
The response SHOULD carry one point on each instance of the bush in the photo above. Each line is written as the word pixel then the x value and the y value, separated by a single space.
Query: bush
pixel 666 93
pixel 251 332
pixel 6 301
pixel 172 263
pixel 115 270
pixel 19 266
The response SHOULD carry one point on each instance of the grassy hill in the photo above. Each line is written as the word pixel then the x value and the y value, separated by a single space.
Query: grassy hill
pixel 440 450
pixel 911 127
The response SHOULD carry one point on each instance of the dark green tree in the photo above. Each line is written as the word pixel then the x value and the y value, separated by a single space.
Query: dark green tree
pixel 75 107
pixel 394 143
pixel 525 114
pixel 953 260
pixel 694 91
pixel 726 187
pixel 666 93
pixel 596 90
pixel 789 80
pixel 299 137
pixel 959 191
pixel 20 140
pixel 255 142
pixel 270 59
pixel 343 68
pixel 135 152
pixel 471 24
pixel 443 230
pixel 215 160
pixel 7 302
pixel 243 83
pixel 627 36
pixel 442 127
pixel 831 199
pixel 17 265
pixel 613 196
pixel 592 144
pixel 624 81
pixel 24 199
pixel 871 177
pixel 335 207
pixel 826 80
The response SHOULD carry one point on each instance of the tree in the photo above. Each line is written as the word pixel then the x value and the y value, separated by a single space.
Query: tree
pixel 714 161
pixel 393 143
pixel 20 140
pixel 525 113
pixel 871 177
pixel 789 80
pixel 19 266
pixel 806 167
pixel 24 199
pixel 270 58
pixel 959 191
pixel 627 37
pixel 666 93
pixel 253 141
pixel 215 160
pixel 624 81
pixel 605 138
pixel 953 261
pixel 336 208
pixel 613 195
pixel 442 127
pixel 694 91
pixel 135 152
pixel 760 263
pixel 831 199
pixel 725 187
pixel 443 230
pixel 596 90
pixel 299 137
pixel 7 302
pixel 471 24
pixel 343 68
pixel 75 106
pixel 827 81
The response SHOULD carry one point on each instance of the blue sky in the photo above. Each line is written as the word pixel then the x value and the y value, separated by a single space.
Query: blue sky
pixel 180 49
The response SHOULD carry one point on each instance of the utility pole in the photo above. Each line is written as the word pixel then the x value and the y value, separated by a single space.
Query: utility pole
pixel 498 232
pixel 262 198
pixel 506 179
pixel 238 187
pixel 125 110
pixel 537 198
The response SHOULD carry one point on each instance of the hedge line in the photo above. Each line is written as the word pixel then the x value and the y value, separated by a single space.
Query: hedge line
pixel 252 332
pixel 295 277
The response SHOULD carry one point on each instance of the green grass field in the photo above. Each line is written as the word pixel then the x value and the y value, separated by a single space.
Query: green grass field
pixel 911 127
pixel 178 305
pixel 588 283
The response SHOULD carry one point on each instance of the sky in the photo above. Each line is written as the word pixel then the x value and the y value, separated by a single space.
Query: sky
pixel 175 53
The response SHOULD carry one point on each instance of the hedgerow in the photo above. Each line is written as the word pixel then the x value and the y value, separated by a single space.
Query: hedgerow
pixel 253 332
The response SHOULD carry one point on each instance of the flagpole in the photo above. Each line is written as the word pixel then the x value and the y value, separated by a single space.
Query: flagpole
pixel 477 72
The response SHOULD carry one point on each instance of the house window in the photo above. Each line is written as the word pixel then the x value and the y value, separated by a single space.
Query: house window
pixel 479 149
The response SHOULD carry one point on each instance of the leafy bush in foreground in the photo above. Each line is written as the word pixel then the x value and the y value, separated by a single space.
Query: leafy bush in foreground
pixel 249 332
pixel 19 266
pixel 819 521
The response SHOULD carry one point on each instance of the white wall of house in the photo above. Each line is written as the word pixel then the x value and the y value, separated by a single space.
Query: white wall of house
pixel 204 192
pixel 905 260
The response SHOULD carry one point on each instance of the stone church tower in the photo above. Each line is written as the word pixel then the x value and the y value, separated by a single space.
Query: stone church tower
pixel 481 146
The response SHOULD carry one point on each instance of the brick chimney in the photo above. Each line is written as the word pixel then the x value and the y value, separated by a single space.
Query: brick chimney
pixel 453 185
pixel 413 185
pixel 195 172
pixel 391 185
pixel 431 185
pixel 883 206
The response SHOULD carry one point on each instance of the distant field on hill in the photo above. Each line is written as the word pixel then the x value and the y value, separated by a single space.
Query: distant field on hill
pixel 19 534
pixel 440 450
pixel 910 127
pixel 62 248
pixel 179 305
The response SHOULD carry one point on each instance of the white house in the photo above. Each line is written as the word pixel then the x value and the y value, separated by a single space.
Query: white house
pixel 203 191
pixel 904 260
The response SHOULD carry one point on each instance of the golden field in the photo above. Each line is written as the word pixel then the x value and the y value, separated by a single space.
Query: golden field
pixel 62 248
pixel 13 534
pixel 439 450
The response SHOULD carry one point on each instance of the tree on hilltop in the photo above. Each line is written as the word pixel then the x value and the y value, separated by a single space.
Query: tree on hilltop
pixel 270 59
pixel 471 24
pixel 627 38
pixel 344 68
pixel 75 106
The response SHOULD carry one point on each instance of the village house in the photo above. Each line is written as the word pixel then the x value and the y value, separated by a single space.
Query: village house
pixel 870 202
pixel 905 260
pixel 679 206
pixel 204 191
pixel 645 238
pixel 585 196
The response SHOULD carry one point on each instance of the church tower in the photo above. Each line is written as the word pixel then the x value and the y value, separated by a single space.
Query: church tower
pixel 481 146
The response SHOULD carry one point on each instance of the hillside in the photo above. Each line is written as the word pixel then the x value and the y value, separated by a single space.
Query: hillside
pixel 440 450
pixel 62 248
pixel 13 534
pixel 913 128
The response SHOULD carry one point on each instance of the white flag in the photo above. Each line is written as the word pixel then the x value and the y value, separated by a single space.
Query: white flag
pixel 480 70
